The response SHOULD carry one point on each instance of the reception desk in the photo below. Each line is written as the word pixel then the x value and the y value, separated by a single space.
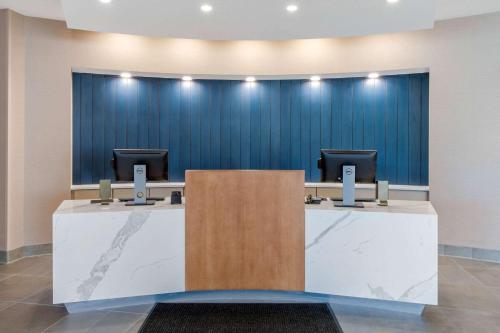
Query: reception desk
pixel 112 255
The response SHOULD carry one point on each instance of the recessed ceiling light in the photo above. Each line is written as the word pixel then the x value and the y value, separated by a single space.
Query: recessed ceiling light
pixel 187 78
pixel 373 75
pixel 105 1
pixel 392 1
pixel 206 8
pixel 292 8
pixel 250 79
pixel 126 75
pixel 315 78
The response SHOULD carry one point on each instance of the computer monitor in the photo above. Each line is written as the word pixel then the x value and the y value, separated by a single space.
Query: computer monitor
pixel 155 160
pixel 349 167
pixel 332 162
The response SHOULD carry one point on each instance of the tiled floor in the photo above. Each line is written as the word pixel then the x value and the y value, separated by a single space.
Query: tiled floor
pixel 469 297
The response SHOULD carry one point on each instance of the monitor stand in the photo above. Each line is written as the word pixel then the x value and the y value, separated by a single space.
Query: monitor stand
pixel 349 188
pixel 140 198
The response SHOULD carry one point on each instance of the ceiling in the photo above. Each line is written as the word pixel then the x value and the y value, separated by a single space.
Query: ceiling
pixel 255 19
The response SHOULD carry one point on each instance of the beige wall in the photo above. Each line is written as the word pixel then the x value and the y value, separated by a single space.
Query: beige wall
pixel 16 120
pixel 462 56
pixel 12 119
pixel 3 126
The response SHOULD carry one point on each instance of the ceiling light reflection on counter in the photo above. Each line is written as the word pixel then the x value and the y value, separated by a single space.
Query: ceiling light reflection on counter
pixel 373 75
pixel 292 8
pixel 315 78
pixel 250 79
pixel 105 1
pixel 125 75
pixel 392 1
pixel 187 78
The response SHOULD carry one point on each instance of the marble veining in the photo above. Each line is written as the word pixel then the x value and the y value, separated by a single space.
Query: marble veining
pixel 389 254
pixel 139 268
pixel 327 230
pixel 412 292
pixel 359 248
pixel 117 252
pixel 135 221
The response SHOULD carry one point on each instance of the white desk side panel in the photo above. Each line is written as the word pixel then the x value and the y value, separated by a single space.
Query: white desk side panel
pixel 385 256
pixel 115 254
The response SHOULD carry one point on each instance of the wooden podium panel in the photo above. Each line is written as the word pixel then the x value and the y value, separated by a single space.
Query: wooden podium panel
pixel 245 230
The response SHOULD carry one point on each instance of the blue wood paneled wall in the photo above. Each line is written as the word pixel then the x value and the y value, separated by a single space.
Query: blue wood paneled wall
pixel 220 124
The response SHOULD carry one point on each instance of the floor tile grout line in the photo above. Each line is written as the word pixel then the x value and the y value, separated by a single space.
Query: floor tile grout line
pixel 473 277
pixel 11 303
pixel 472 259
pixel 444 307
pixel 33 275
pixel 45 330
pixel 110 312
pixel 32 303
pixel 6 277
pixel 29 296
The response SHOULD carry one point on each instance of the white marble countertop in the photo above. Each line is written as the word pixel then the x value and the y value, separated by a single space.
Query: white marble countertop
pixel 395 206
pixel 84 206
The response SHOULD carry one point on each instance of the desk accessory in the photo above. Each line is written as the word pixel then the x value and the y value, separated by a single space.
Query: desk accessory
pixel 310 200
pixel 105 197
pixel 383 192
pixel 176 198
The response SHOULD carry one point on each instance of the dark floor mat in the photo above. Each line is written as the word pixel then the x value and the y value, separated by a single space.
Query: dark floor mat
pixel 220 318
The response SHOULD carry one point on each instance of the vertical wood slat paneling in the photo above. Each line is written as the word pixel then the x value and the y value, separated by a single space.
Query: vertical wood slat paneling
pixel 225 120
pixel 380 127
pixel 217 124
pixel 109 121
pixel 195 126
pixel 215 96
pixel 414 128
pixel 274 117
pixel 315 129
pixel 172 94
pixel 403 130
pixel 143 114
pixel 305 128
pixel 296 103
pixel 265 126
pixel 98 91
pixel 391 145
pixel 86 129
pixel 424 134
pixel 205 124
pixel 358 114
pixel 76 128
pixel 285 122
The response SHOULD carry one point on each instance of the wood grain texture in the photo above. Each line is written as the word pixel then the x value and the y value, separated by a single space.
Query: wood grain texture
pixel 245 230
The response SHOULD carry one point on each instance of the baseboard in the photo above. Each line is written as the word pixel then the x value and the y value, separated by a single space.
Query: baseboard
pixel 469 252
pixel 24 251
